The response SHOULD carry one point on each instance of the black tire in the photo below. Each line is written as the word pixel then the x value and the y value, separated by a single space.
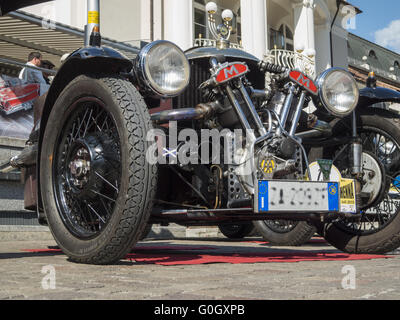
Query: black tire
pixel 119 130
pixel 384 236
pixel 236 231
pixel 285 233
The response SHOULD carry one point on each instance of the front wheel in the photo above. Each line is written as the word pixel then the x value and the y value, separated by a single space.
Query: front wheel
pixel 378 230
pixel 97 187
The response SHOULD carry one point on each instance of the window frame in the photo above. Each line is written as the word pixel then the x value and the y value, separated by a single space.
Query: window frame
pixel 202 7
pixel 274 33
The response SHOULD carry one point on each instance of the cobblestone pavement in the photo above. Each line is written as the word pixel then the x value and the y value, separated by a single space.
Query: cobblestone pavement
pixel 23 276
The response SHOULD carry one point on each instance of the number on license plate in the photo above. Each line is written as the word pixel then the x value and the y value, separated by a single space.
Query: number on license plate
pixel 297 196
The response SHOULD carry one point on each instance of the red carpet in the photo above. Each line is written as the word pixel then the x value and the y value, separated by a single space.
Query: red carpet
pixel 138 248
pixel 185 255
pixel 311 241
pixel 233 258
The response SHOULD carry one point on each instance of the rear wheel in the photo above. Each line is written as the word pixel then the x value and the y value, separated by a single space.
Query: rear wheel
pixel 285 233
pixel 96 184
pixel 236 231
pixel 378 230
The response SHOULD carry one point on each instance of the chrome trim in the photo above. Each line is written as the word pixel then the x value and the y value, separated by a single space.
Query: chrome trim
pixel 208 52
pixel 238 109
pixel 250 105
pixel 297 115
pixel 285 110
pixel 141 69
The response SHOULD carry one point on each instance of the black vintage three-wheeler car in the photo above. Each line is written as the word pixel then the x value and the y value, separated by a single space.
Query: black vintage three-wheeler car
pixel 198 138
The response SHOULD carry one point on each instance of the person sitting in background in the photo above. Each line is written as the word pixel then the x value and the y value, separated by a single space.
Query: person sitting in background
pixel 30 75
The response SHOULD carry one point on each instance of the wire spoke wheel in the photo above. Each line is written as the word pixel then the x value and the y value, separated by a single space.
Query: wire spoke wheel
pixel 387 151
pixel 87 168
pixel 377 229
pixel 96 184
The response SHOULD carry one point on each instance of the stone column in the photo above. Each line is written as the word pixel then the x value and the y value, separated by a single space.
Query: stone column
pixel 304 25
pixel 145 23
pixel 254 26
pixel 323 47
pixel 178 22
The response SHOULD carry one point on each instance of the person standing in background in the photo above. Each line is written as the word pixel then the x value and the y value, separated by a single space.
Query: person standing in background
pixel 30 75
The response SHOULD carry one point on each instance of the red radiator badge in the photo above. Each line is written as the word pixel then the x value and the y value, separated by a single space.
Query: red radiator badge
pixel 304 81
pixel 233 70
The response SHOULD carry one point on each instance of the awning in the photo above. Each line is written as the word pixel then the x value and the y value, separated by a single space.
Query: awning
pixel 22 33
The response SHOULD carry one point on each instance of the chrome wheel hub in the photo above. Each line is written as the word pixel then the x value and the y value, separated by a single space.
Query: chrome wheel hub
pixel 80 168
pixel 372 180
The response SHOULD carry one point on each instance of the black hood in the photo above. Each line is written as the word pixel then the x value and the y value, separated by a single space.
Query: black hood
pixel 11 5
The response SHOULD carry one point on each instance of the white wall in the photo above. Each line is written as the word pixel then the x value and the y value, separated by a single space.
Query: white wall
pixel 70 12
pixel 123 25
pixel 121 20
pixel 339 47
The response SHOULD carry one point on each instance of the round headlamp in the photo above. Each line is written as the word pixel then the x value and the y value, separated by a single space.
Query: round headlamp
pixel 164 68
pixel 338 91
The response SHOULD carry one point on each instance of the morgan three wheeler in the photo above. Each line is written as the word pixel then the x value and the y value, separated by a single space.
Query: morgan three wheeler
pixel 113 151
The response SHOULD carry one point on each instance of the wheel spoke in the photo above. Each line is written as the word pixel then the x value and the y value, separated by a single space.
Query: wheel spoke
pixel 106 181
pixel 88 169
pixel 91 208
pixel 102 195
pixel 374 219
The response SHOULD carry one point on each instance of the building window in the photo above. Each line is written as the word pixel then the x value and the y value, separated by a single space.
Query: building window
pixel 201 21
pixel 372 54
pixel 282 38
pixel 200 24
pixel 239 33
pixel 396 65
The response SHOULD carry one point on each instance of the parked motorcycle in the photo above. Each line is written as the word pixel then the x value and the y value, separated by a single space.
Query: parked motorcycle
pixel 196 138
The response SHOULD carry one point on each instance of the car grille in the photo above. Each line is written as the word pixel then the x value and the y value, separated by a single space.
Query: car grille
pixel 192 95
pixel 200 72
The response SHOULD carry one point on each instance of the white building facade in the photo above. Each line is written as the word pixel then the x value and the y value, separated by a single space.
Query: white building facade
pixel 299 31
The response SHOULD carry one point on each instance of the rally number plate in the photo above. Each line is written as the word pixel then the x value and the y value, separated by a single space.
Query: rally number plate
pixel 297 196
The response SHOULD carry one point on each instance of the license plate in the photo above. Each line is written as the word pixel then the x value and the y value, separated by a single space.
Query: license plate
pixel 297 196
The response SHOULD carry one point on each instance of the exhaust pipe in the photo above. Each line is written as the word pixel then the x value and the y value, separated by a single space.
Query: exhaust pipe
pixel 26 158
pixel 199 112
pixel 319 129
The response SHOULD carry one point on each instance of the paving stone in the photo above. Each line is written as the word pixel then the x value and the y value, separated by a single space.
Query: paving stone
pixel 21 276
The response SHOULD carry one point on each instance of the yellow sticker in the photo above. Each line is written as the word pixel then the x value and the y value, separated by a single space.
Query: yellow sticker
pixel 93 17
pixel 268 166
pixel 347 195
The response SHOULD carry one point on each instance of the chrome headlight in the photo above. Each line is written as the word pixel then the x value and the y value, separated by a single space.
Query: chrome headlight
pixel 338 91
pixel 164 68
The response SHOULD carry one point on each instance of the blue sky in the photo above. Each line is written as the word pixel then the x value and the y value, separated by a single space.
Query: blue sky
pixel 379 22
